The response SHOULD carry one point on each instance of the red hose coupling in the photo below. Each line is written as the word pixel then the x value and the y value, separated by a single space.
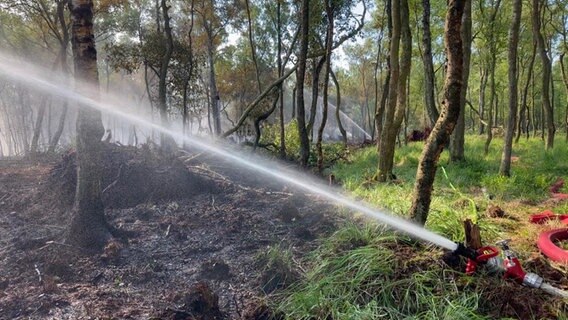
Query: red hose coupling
pixel 484 254
pixel 470 267
pixel 514 270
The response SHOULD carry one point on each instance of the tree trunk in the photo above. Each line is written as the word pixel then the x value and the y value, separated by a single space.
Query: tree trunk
pixel 281 87
pixel 300 76
pixel 259 120
pixel 37 128
pixel 491 104
pixel 376 76
pixel 546 75
pixel 329 11
pixel 167 142
pixel 482 87
pixel 505 168
pixel 429 78
pixel 492 66
pixel 315 95
pixel 185 118
pixel 565 81
pixel 457 140
pixel 338 108
pixel 64 43
pixel 252 46
pixel 214 93
pixel 399 76
pixel 88 227
pixel 523 123
pixel 387 143
pixel 426 172
pixel 60 126
pixel 380 112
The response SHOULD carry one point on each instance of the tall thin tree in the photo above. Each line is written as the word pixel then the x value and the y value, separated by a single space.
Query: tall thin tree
pixel 546 74
pixel 300 76
pixel 422 194
pixel 505 168
pixel 88 227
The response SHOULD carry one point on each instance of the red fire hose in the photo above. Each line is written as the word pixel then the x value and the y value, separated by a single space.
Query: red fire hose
pixel 546 239
pixel 549 248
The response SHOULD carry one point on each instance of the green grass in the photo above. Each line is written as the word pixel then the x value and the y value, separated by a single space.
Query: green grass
pixel 476 181
pixel 357 274
pixel 366 272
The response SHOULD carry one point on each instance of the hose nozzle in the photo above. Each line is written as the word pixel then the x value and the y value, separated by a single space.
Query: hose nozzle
pixel 466 252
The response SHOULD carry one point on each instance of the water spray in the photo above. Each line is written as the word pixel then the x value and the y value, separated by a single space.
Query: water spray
pixel 36 78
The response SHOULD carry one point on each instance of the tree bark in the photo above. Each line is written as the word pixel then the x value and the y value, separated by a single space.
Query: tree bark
pixel 317 66
pixel 426 172
pixel 492 67
pixel 252 46
pixel 329 11
pixel 565 81
pixel 523 123
pixel 37 128
pixel 214 93
pixel 457 140
pixel 300 76
pixel 88 228
pixel 482 87
pixel 397 89
pixel 59 131
pixel 167 143
pixel 380 112
pixel 281 87
pixel 546 75
pixel 64 43
pixel 429 78
pixel 338 108
pixel 387 143
pixel 505 168
pixel 185 118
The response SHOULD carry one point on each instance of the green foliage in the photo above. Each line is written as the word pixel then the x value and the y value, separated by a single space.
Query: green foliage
pixel 355 275
pixel 271 135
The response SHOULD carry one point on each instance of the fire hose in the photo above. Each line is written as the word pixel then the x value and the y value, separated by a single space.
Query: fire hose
pixel 509 264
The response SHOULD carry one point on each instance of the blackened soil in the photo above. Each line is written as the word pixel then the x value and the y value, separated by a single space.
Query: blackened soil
pixel 188 255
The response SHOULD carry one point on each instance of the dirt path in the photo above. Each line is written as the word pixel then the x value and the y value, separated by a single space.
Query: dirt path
pixel 214 237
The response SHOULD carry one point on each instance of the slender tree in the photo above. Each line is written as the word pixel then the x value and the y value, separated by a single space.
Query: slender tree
pixel 329 12
pixel 492 38
pixel 457 140
pixel 505 168
pixel 400 71
pixel 88 227
pixel 300 76
pixel 422 194
pixel 546 74
pixel 429 79
pixel 280 71
pixel 524 114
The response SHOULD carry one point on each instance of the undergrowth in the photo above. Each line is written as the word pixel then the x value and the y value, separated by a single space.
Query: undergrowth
pixel 365 272
pixel 473 181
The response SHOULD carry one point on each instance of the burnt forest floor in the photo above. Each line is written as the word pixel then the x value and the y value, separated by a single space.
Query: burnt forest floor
pixel 175 256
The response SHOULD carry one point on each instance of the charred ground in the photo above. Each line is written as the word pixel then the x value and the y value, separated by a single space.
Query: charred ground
pixel 186 234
